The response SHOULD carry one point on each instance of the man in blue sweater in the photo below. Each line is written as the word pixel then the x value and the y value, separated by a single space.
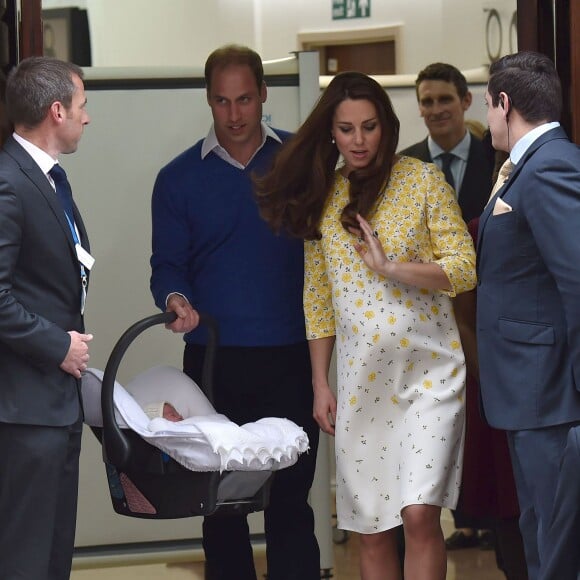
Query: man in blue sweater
pixel 212 253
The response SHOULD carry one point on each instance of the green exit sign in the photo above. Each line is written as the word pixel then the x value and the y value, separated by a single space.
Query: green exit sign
pixel 350 9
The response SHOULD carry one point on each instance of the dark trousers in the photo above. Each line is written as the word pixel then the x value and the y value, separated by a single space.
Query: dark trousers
pixel 536 455
pixel 463 520
pixel 39 473
pixel 563 536
pixel 509 549
pixel 251 383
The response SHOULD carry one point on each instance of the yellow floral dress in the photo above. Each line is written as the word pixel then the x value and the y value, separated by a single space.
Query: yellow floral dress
pixel 401 370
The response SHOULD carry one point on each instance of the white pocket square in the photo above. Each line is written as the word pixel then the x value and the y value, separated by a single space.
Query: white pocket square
pixel 501 207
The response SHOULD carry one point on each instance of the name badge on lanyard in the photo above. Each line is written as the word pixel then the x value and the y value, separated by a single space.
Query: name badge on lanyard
pixel 84 257
pixel 85 260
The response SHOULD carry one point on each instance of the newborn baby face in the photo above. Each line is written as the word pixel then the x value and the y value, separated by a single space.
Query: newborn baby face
pixel 170 413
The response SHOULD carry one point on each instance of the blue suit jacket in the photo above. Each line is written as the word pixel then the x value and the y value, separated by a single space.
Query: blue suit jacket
pixel 528 296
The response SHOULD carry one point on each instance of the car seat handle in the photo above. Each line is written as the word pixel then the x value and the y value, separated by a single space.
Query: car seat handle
pixel 116 446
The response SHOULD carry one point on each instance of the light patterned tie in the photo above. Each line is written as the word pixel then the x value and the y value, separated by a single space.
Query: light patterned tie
pixel 503 175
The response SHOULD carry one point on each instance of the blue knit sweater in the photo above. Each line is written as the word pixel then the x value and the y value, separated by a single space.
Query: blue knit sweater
pixel 210 244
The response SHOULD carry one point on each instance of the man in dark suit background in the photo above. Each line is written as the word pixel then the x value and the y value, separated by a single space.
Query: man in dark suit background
pixel 528 308
pixel 44 264
pixel 443 98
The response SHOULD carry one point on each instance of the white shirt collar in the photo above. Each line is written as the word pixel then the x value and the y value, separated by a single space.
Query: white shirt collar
pixel 524 143
pixel 211 143
pixel 41 158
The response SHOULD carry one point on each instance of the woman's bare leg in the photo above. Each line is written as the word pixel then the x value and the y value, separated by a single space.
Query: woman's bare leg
pixel 425 556
pixel 379 557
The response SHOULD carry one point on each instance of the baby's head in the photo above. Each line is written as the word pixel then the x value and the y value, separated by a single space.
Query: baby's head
pixel 170 413
pixel 162 409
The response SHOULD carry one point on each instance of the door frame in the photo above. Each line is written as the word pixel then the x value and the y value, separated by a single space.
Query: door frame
pixel 318 39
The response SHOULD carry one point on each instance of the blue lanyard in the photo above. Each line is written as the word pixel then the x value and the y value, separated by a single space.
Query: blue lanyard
pixel 84 279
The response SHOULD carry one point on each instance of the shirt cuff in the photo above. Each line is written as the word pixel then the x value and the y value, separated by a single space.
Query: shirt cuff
pixel 171 294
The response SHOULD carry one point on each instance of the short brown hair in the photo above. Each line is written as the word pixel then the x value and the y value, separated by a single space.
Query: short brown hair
pixel 441 71
pixel 531 83
pixel 35 84
pixel 234 54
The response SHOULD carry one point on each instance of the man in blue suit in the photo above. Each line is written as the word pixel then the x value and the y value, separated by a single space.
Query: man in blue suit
pixel 528 311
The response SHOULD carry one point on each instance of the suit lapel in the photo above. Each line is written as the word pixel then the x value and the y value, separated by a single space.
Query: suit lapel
pixel 29 167
pixel 481 227
pixel 478 173
pixel 425 153
pixel 557 133
pixel 419 151
pixel 467 196
pixel 81 228
pixel 488 210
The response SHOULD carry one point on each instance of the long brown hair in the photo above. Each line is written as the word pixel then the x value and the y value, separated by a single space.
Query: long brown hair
pixel 292 195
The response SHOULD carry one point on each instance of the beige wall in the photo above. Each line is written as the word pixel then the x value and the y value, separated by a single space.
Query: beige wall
pixel 183 32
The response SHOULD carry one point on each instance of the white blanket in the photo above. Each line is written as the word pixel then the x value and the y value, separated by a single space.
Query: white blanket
pixel 205 440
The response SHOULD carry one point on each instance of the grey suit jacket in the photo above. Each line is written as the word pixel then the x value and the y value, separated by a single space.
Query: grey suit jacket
pixel 476 184
pixel 528 294
pixel 40 293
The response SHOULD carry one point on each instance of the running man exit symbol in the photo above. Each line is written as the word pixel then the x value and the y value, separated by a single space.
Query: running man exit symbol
pixel 350 9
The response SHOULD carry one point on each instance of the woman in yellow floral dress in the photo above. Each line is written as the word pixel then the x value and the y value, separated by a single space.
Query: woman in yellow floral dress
pixel 386 248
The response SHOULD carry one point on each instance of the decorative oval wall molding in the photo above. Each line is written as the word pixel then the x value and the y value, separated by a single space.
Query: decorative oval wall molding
pixel 513 33
pixel 493 26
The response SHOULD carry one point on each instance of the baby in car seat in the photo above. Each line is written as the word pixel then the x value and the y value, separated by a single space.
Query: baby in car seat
pixel 162 409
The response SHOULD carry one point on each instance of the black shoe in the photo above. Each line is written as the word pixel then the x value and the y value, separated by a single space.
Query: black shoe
pixel 458 541
pixel 486 540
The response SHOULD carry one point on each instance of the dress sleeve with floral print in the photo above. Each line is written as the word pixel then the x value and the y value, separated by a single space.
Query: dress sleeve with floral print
pixel 317 293
pixel 417 218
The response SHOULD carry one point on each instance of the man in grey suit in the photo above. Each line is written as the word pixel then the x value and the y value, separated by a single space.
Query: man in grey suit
pixel 44 263
pixel 443 98
pixel 528 306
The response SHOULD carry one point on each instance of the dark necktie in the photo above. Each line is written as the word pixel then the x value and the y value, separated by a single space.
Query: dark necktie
pixel 446 160
pixel 64 193
pixel 63 190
